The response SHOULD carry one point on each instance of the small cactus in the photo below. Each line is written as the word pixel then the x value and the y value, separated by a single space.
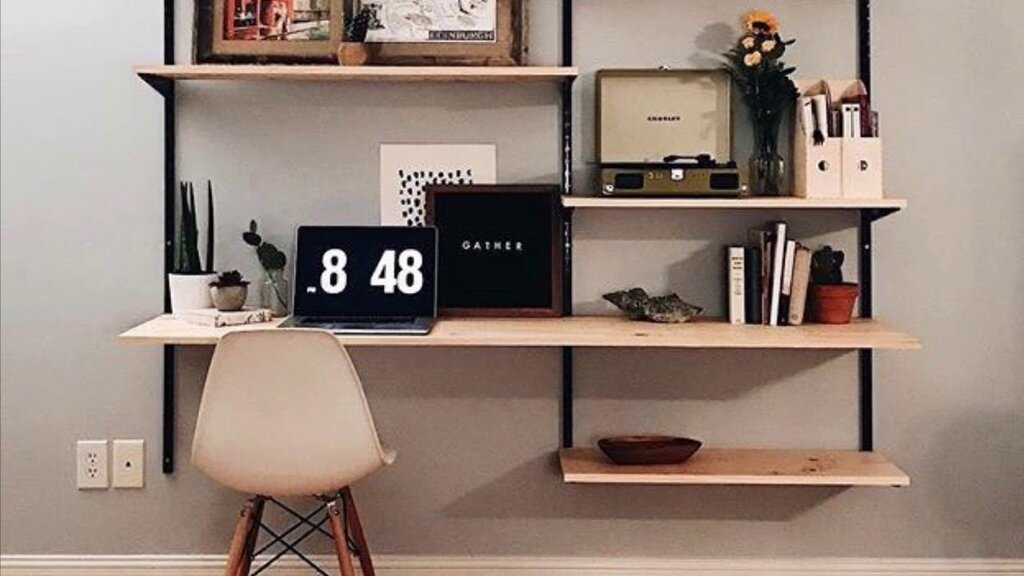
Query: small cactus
pixel 827 266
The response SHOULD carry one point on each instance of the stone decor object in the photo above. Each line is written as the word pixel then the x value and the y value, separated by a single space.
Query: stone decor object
pixel 668 309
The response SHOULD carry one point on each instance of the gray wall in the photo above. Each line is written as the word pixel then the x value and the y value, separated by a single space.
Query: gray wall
pixel 477 429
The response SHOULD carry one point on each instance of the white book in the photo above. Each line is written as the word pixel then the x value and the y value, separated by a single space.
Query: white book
pixel 778 261
pixel 737 290
pixel 851 120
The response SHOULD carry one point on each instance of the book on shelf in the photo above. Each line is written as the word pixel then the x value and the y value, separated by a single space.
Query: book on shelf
pixel 776 274
pixel 787 281
pixel 801 284
pixel 753 282
pixel 778 248
pixel 736 267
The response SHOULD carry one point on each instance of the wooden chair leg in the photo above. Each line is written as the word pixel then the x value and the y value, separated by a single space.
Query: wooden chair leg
pixel 365 561
pixel 252 537
pixel 242 529
pixel 340 540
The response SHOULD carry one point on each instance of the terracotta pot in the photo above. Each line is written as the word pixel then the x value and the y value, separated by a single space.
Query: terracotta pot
pixel 355 53
pixel 833 304
pixel 229 298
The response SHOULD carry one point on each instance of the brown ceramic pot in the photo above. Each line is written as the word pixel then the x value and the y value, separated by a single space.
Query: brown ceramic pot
pixel 833 304
pixel 229 298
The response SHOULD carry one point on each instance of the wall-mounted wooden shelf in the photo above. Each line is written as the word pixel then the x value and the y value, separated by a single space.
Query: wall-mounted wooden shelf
pixel 741 467
pixel 328 73
pixel 884 206
pixel 580 331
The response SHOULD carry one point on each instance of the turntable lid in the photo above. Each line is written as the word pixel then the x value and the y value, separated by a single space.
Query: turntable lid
pixel 646 115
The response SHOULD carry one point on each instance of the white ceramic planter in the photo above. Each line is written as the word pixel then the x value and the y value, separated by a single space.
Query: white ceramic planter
pixel 190 291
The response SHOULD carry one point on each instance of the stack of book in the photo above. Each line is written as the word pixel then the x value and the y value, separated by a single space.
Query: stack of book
pixel 768 278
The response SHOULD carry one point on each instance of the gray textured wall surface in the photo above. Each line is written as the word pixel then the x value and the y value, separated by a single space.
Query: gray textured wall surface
pixel 476 430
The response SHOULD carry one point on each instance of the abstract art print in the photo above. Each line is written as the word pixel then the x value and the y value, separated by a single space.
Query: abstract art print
pixel 406 168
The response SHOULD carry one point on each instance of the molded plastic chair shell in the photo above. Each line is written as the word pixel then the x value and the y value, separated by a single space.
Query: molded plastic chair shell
pixel 284 414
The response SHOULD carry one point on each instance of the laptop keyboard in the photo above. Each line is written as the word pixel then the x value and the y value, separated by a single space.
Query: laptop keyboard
pixel 357 320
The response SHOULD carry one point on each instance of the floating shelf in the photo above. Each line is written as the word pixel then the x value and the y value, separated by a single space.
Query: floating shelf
pixel 884 205
pixel 581 331
pixel 327 73
pixel 741 467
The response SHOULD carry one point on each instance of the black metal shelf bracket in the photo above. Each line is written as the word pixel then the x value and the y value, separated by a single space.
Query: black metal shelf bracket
pixel 166 89
pixel 565 144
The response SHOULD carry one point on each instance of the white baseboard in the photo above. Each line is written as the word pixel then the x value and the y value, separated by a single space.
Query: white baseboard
pixel 17 565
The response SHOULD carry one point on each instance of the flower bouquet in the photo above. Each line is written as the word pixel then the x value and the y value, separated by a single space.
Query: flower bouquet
pixel 755 64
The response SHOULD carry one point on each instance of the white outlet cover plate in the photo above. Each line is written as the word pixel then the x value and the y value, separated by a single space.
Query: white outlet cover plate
pixel 129 464
pixel 92 465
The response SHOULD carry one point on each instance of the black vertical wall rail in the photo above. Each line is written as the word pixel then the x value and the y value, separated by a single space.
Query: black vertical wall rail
pixel 166 88
pixel 565 143
pixel 866 359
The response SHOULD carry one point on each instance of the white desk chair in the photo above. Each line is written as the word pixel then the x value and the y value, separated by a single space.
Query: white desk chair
pixel 283 414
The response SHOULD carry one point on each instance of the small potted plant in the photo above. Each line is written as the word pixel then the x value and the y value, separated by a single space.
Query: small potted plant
pixel 229 291
pixel 189 282
pixel 354 51
pixel 832 299
pixel 274 291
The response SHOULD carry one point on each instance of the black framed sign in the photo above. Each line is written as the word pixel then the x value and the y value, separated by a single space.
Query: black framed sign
pixel 499 249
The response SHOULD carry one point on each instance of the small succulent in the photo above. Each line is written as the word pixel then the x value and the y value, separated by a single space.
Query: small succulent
pixel 827 266
pixel 228 279
pixel 270 257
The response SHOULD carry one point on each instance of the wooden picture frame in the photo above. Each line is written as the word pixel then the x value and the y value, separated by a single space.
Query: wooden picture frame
pixel 212 45
pixel 499 249
pixel 508 50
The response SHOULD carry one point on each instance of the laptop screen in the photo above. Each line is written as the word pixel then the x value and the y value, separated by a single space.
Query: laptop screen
pixel 350 271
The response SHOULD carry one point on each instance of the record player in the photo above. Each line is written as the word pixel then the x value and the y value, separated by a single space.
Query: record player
pixel 666 133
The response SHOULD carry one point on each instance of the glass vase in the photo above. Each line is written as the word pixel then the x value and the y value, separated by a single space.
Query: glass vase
pixel 767 167
pixel 274 292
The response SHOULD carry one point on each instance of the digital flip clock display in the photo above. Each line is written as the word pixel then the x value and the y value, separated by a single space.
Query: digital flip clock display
pixel 365 271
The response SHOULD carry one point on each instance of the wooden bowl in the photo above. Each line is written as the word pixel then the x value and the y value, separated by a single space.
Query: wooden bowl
pixel 648 449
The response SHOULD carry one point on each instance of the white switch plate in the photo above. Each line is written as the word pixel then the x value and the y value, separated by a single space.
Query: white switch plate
pixel 92 465
pixel 129 469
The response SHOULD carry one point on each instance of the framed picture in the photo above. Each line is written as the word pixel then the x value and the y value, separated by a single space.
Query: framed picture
pixel 446 32
pixel 237 31
pixel 499 249
pixel 405 169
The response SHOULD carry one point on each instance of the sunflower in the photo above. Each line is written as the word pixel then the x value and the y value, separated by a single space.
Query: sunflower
pixel 761 22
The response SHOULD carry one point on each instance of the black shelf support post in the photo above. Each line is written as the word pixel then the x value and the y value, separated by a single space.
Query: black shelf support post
pixel 166 88
pixel 565 145
pixel 866 356
pixel 865 370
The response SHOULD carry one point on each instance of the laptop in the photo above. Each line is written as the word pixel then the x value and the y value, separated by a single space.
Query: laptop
pixel 365 280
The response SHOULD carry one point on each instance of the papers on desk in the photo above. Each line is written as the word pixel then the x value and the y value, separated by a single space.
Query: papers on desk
pixel 217 319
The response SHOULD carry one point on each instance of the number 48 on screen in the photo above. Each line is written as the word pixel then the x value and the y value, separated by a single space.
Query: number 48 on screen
pixel 402 271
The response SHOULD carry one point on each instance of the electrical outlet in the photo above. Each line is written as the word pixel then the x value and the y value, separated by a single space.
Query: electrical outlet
pixel 92 465
pixel 129 464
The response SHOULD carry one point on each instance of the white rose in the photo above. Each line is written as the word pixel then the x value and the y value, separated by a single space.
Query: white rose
pixel 748 42
pixel 768 46
pixel 752 59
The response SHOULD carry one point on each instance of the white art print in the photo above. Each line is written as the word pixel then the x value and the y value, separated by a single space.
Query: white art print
pixel 406 168
pixel 432 20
